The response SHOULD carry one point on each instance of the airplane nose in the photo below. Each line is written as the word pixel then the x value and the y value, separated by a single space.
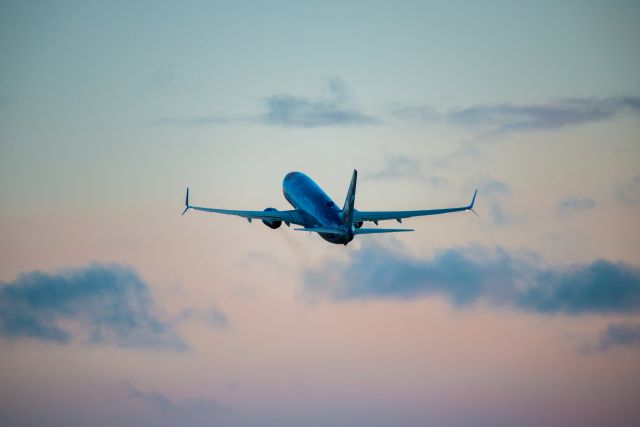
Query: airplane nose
pixel 290 175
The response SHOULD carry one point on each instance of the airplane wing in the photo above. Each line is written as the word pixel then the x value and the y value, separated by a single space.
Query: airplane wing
pixel 288 217
pixel 375 216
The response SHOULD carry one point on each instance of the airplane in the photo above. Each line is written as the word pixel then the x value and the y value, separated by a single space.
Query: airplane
pixel 317 213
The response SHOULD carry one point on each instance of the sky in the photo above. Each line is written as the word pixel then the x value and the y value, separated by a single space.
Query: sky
pixel 116 310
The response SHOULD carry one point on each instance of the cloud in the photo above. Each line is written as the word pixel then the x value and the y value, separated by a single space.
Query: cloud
pixel 494 188
pixel 616 335
pixel 629 192
pixel 332 110
pixel 501 119
pixel 472 274
pixel 500 216
pixel 287 110
pixel 96 304
pixel 495 194
pixel 575 205
pixel 162 402
pixel 553 115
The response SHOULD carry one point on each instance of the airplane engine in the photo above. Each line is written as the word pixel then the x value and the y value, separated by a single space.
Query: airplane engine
pixel 271 223
pixel 358 224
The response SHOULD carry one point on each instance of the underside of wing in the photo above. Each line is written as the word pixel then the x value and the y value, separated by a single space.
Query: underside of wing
pixel 289 217
pixel 375 216
pixel 271 217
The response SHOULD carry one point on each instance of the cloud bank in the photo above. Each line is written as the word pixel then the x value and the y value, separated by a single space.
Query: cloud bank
pixel 473 274
pixel 501 119
pixel 335 108
pixel 619 335
pixel 625 335
pixel 575 205
pixel 629 192
pixel 332 109
pixel 96 304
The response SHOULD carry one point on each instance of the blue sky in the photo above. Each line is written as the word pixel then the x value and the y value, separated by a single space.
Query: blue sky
pixel 522 316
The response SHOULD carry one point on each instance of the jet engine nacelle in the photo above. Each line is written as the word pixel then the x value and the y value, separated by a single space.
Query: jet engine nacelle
pixel 271 223
pixel 358 224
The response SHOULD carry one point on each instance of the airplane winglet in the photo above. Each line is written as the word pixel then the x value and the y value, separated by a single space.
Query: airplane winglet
pixel 186 203
pixel 473 200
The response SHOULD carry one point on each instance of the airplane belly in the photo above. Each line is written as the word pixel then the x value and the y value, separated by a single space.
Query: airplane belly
pixel 338 239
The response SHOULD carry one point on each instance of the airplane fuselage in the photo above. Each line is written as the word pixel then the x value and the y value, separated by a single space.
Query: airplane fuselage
pixel 315 206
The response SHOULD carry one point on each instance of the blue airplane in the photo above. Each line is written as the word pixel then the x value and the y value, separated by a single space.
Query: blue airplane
pixel 317 213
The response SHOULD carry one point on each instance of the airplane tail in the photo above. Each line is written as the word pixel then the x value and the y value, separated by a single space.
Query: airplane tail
pixel 347 209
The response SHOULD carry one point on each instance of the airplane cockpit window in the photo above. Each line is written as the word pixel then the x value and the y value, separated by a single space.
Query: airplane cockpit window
pixel 330 204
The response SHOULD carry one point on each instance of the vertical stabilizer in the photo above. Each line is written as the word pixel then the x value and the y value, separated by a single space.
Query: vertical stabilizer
pixel 347 210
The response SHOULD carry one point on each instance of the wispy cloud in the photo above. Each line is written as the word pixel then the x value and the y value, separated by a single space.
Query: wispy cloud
pixel 553 115
pixel 629 192
pixel 334 108
pixel 399 166
pixel 160 401
pixel 199 120
pixel 212 315
pixel 97 304
pixel 616 335
pixel 500 119
pixel 330 110
pixel 492 187
pixel 495 194
pixel 571 206
pixel 471 274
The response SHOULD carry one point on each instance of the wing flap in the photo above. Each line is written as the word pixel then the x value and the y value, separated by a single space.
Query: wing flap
pixel 381 230
pixel 322 230
pixel 291 216
pixel 375 216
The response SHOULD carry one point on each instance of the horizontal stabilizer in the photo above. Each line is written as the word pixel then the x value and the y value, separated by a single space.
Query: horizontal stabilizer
pixel 380 230
pixel 322 230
